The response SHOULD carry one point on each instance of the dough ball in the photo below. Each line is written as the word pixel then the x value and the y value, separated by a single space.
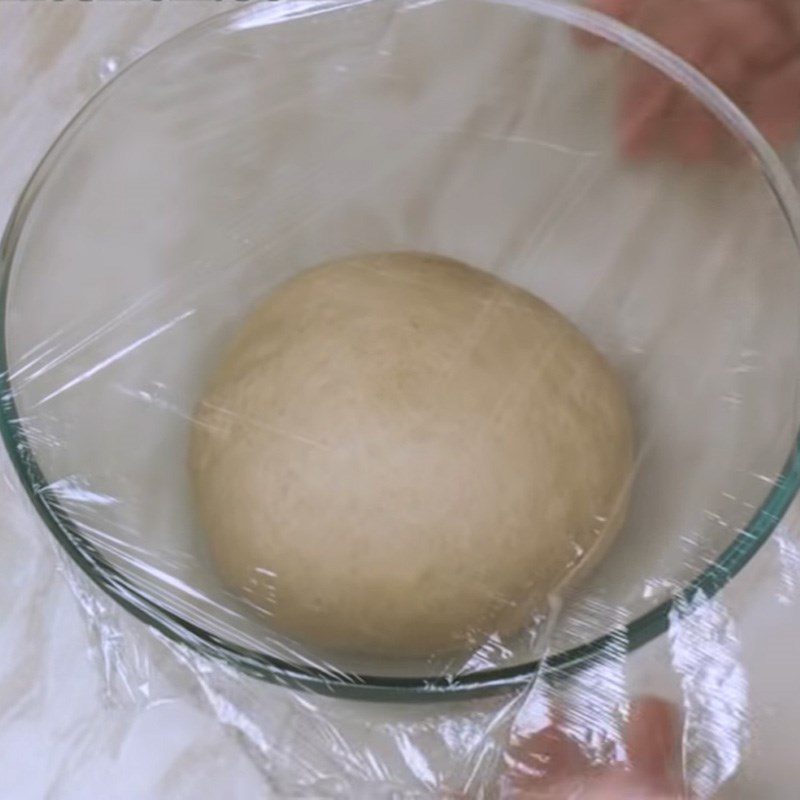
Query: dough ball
pixel 401 455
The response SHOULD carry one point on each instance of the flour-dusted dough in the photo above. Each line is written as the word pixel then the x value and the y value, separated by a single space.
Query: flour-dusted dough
pixel 401 454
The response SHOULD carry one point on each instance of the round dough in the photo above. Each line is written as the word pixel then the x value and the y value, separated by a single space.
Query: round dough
pixel 402 455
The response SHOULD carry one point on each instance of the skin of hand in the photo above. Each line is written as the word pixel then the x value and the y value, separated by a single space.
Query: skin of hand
pixel 550 765
pixel 749 48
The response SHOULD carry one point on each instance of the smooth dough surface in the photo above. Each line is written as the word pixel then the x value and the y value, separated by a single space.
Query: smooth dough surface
pixel 401 455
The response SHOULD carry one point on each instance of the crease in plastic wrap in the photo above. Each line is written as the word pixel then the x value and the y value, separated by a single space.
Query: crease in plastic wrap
pixel 287 134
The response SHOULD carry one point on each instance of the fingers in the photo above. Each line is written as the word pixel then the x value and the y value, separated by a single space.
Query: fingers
pixel 774 104
pixel 619 787
pixel 622 10
pixel 646 101
pixel 653 743
pixel 682 26
pixel 650 97
pixel 749 48
pixel 695 135
pixel 552 766
pixel 763 32
pixel 547 758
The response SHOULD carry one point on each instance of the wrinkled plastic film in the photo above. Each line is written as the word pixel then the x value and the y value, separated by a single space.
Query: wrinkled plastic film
pixel 289 134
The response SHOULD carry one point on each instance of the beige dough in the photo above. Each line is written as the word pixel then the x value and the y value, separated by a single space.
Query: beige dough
pixel 401 455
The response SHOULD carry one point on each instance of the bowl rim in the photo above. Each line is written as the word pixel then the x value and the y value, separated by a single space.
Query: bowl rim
pixel 635 634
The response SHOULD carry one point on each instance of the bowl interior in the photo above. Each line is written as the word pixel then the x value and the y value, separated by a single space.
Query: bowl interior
pixel 245 151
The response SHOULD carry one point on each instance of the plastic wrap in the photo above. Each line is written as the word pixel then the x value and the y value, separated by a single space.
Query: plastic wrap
pixel 286 134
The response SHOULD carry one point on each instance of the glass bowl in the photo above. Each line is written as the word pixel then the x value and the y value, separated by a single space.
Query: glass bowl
pixel 281 135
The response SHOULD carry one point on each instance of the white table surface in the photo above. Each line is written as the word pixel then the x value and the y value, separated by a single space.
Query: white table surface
pixel 69 731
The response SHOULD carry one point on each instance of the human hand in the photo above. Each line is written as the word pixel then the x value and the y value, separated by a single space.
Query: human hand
pixel 749 48
pixel 551 766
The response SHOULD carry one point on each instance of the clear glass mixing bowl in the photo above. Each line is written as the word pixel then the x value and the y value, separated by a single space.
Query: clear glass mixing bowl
pixel 284 134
